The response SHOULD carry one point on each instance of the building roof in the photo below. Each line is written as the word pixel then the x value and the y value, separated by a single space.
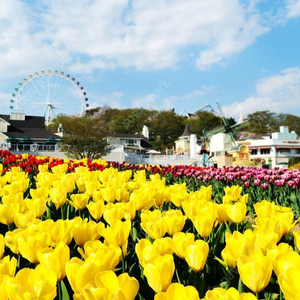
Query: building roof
pixel 32 127
pixel 145 143
pixel 187 131
pixel 128 136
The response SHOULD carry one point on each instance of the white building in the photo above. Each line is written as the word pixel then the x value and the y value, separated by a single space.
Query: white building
pixel 275 149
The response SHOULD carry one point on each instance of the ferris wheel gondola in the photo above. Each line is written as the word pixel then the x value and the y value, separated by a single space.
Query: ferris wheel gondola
pixel 49 93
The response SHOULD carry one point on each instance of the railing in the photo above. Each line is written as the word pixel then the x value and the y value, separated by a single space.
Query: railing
pixel 31 147
pixel 159 159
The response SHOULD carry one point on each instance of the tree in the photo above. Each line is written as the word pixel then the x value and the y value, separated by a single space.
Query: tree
pixel 204 120
pixel 262 122
pixel 165 129
pixel 293 122
pixel 84 137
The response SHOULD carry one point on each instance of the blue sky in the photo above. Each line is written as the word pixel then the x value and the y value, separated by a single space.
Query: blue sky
pixel 160 54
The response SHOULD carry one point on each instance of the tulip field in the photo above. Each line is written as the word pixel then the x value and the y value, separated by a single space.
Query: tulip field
pixel 103 230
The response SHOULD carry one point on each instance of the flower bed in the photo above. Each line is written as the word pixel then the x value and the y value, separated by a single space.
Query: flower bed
pixel 98 230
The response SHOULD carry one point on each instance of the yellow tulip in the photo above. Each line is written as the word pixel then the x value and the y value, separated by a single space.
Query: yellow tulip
pixel 80 273
pixel 156 228
pixel 146 252
pixel 92 186
pixel 289 283
pixel 222 213
pixel 255 271
pixel 113 212
pixel 96 209
pixel 58 196
pixel 140 177
pixel 174 221
pixel 232 193
pixel 287 261
pixel 43 168
pixel 117 234
pixel 237 244
pixel 105 257
pixel 205 221
pixel 61 231
pixel 97 196
pixel 181 242
pixel 8 266
pixel 41 192
pixel 108 194
pixel 67 182
pixel 265 239
pixel 122 194
pixel 80 183
pixel 31 242
pixel 236 212
pixel 129 210
pixel 60 169
pixel 153 223
pixel 85 230
pixel 164 245
pixel 205 193
pixel 247 296
pixel 11 239
pixel 276 252
pixel 55 259
pixel 2 246
pixel 264 208
pixel 37 205
pixel 113 287
pixel 141 199
pixel 8 212
pixel 79 201
pixel 178 194
pixel 177 291
pixel 23 220
pixel 196 255
pixel 4 286
pixel 220 293
pixel 38 283
pixel 159 273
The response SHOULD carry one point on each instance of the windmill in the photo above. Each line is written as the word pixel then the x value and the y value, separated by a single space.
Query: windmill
pixel 226 128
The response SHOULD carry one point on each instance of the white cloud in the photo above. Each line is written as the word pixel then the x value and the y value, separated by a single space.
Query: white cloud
pixel 4 103
pixel 113 100
pixel 293 8
pixel 279 93
pixel 103 34
pixel 197 93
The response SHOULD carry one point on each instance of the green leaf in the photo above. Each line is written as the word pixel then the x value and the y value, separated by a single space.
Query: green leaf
pixel 64 292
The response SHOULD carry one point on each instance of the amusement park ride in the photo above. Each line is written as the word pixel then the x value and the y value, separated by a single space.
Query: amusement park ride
pixel 49 93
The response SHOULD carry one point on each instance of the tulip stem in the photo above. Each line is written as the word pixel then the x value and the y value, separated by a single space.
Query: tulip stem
pixel 177 275
pixel 257 296
pixel 123 261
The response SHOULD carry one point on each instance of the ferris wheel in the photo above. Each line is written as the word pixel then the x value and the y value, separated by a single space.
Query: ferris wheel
pixel 49 93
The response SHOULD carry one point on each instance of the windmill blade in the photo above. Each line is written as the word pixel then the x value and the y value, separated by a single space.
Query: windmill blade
pixel 216 130
pixel 239 126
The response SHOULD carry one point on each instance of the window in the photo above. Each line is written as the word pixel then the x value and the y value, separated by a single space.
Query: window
pixel 283 151
pixel 296 151
pixel 254 152
pixel 265 151
pixel 129 141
